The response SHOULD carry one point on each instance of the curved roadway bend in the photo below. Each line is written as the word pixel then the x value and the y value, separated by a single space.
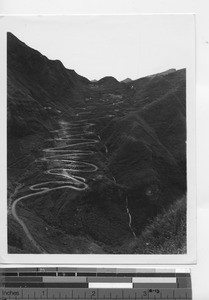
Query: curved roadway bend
pixel 63 163
pixel 71 144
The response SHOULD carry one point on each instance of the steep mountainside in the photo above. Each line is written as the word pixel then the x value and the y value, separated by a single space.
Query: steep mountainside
pixel 38 90
pixel 37 85
pixel 148 156
pixel 93 166
pixel 152 88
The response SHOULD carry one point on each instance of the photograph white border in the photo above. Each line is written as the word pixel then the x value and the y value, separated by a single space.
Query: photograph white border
pixel 189 258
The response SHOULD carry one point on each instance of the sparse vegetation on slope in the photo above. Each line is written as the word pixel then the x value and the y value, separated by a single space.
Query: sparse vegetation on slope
pixel 167 232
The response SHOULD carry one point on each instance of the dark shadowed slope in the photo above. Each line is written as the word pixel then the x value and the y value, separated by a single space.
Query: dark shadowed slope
pixel 147 146
pixel 38 90
pixel 37 87
pixel 46 80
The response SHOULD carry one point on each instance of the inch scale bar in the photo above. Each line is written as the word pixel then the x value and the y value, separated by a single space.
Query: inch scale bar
pixel 54 293
pixel 84 284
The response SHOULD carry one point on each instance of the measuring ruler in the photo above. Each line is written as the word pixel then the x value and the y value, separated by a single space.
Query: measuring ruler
pixel 94 283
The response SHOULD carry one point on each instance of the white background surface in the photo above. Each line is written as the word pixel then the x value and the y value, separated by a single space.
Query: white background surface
pixel 174 38
pixel 200 272
pixel 122 46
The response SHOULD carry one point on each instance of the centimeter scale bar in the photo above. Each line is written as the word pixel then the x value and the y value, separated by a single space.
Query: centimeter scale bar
pixel 94 283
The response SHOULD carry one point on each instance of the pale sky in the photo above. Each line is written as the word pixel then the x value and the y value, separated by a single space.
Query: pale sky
pixel 120 46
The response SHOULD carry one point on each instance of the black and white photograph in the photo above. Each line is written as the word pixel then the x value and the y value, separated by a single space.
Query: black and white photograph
pixel 97 134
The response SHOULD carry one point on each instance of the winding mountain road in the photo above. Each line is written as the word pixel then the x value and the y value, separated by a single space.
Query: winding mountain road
pixel 71 144
pixel 63 160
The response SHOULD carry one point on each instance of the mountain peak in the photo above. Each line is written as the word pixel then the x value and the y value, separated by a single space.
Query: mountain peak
pixel 126 80
pixel 108 79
